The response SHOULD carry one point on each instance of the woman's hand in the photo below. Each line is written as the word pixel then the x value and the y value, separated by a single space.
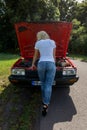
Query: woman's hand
pixel 33 67
pixel 35 57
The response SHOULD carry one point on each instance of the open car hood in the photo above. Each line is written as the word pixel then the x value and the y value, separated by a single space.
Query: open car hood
pixel 58 31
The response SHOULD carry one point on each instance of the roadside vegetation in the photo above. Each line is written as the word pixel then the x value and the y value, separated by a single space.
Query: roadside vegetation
pixel 18 106
pixel 79 57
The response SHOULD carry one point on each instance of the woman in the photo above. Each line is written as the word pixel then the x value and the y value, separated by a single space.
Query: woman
pixel 46 48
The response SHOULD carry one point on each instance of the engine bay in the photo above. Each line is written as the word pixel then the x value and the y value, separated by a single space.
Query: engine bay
pixel 60 62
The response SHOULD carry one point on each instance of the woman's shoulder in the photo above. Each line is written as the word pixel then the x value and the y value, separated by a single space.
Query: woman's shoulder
pixel 52 41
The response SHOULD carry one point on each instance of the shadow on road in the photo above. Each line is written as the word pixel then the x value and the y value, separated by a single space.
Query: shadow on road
pixel 61 109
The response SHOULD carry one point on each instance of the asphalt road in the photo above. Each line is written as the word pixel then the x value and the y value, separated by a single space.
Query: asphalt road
pixel 68 108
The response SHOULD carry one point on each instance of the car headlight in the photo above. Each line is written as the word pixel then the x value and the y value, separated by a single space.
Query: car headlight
pixel 67 72
pixel 18 71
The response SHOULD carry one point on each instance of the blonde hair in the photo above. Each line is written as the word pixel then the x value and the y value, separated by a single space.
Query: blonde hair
pixel 42 35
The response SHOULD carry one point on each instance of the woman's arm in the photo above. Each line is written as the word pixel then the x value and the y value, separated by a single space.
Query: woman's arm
pixel 35 57
pixel 54 53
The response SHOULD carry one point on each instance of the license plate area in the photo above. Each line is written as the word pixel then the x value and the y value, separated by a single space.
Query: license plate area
pixel 38 83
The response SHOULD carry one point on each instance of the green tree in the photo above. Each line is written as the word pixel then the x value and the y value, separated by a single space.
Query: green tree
pixel 67 9
pixel 81 13
pixel 78 41
pixel 7 40
pixel 32 10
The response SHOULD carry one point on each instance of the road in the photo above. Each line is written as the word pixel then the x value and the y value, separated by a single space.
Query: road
pixel 68 108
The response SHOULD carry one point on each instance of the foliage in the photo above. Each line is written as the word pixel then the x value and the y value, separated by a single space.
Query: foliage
pixel 79 57
pixel 79 38
pixel 7 38
pixel 67 9
pixel 41 10
pixel 82 12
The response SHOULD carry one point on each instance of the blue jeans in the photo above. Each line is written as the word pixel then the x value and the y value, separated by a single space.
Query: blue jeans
pixel 46 73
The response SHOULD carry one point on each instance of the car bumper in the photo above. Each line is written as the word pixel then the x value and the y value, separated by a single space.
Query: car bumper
pixel 67 80
pixel 58 81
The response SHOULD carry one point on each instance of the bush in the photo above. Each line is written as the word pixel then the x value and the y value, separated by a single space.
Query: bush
pixel 79 45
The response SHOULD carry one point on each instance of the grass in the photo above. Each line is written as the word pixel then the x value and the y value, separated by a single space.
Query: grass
pixel 26 120
pixel 6 60
pixel 80 57
pixel 19 104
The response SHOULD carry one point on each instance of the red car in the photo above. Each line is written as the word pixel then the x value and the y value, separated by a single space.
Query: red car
pixel 66 71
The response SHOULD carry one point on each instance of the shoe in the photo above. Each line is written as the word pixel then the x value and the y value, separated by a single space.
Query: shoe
pixel 45 110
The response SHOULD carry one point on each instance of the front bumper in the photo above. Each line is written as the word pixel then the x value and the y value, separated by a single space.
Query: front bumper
pixel 67 80
pixel 58 81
